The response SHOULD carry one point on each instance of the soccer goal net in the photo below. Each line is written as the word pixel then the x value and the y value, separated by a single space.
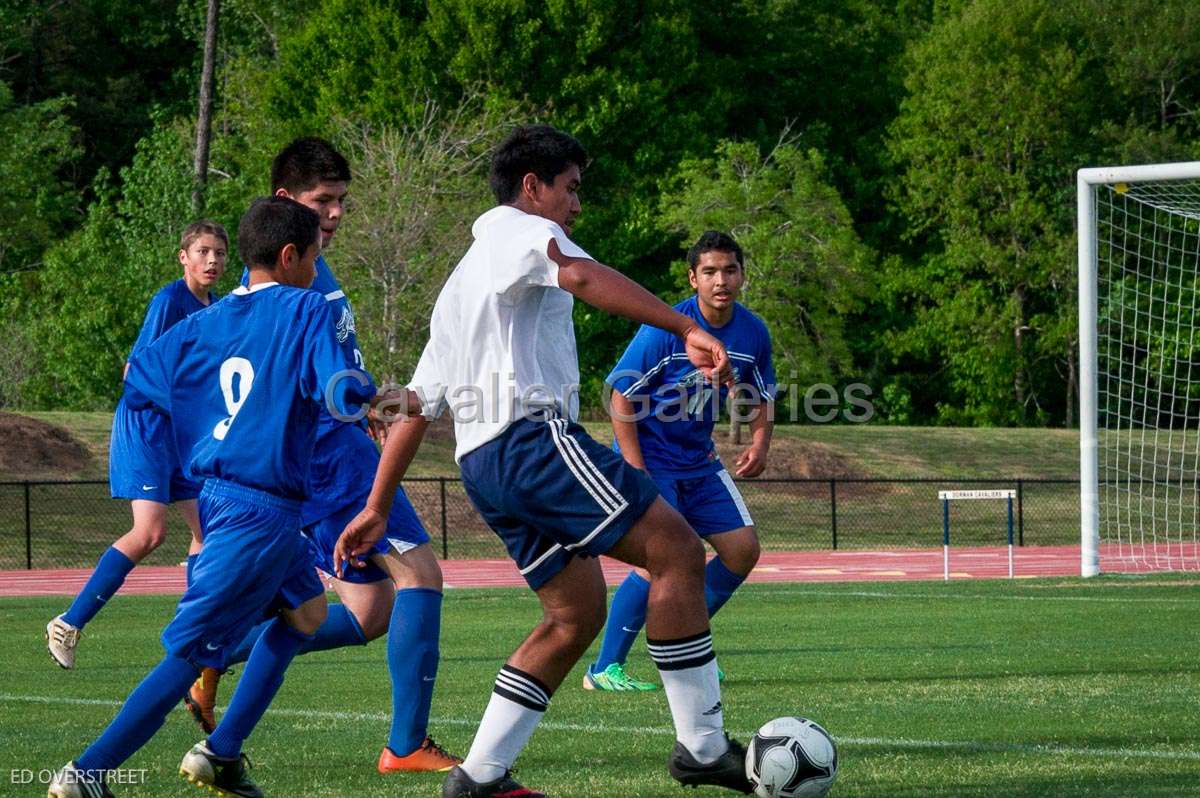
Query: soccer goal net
pixel 1139 280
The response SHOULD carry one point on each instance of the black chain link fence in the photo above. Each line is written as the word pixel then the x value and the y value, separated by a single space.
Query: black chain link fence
pixel 70 524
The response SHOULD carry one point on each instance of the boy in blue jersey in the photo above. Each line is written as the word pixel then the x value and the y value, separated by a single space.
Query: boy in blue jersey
pixel 142 465
pixel 501 357
pixel 663 417
pixel 399 591
pixel 242 383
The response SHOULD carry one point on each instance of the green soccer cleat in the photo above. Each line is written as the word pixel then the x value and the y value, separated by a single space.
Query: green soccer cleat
pixel 614 679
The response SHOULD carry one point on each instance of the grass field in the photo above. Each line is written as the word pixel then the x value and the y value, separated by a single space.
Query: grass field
pixel 1033 688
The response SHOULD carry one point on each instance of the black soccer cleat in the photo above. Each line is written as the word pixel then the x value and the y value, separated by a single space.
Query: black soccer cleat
pixel 225 777
pixel 459 785
pixel 728 771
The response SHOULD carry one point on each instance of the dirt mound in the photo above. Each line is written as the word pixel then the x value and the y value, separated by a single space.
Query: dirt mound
pixel 31 448
pixel 792 459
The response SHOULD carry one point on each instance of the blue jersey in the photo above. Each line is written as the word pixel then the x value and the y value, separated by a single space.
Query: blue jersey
pixel 172 304
pixel 344 460
pixel 677 405
pixel 244 382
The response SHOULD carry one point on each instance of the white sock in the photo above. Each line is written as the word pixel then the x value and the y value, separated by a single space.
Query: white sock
pixel 518 702
pixel 688 669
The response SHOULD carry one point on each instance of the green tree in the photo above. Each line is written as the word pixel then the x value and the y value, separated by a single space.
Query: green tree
pixel 37 144
pixel 1002 98
pixel 807 269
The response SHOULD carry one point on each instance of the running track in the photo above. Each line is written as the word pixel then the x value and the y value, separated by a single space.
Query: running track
pixel 821 566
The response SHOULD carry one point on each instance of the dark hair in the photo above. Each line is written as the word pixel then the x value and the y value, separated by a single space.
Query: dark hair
pixel 272 223
pixel 306 162
pixel 201 228
pixel 714 240
pixel 540 149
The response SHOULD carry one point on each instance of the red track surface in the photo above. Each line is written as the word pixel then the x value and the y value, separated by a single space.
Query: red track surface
pixel 820 566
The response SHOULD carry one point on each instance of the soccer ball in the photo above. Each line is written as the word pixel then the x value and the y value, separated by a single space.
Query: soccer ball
pixel 791 758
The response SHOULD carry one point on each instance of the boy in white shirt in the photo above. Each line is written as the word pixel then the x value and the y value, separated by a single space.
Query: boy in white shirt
pixel 501 356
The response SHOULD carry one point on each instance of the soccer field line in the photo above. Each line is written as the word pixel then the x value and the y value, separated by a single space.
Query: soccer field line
pixel 796 591
pixel 964 746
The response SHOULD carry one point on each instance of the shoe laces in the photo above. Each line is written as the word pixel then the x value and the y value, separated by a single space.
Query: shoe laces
pixel 432 747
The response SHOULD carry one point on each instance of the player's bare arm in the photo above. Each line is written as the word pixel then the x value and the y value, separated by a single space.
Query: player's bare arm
pixel 624 421
pixel 365 529
pixel 607 289
pixel 753 460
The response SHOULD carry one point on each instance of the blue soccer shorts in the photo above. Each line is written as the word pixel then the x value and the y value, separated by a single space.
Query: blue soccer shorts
pixel 711 503
pixel 254 563
pixel 551 492
pixel 142 463
pixel 404 532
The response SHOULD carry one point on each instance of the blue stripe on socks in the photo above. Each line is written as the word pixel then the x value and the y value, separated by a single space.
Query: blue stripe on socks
pixel 105 580
pixel 412 652
pixel 719 584
pixel 142 714
pixel 626 618
pixel 260 681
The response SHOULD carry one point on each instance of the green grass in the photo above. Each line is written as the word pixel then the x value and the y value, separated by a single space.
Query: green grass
pixel 1033 688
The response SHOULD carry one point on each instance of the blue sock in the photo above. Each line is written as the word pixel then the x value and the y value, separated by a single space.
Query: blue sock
pixel 110 573
pixel 719 584
pixel 339 629
pixel 626 618
pixel 412 652
pixel 260 681
pixel 141 716
pixel 191 566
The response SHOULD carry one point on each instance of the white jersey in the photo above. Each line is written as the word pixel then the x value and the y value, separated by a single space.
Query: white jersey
pixel 501 340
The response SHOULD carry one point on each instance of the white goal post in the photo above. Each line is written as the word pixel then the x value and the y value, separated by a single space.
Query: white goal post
pixel 1139 367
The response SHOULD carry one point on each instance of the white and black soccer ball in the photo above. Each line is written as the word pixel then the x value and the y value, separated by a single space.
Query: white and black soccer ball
pixel 791 758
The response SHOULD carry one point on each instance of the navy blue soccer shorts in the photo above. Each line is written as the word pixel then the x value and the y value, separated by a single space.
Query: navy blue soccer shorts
pixel 551 492
pixel 711 503
pixel 254 563
pixel 142 463
pixel 404 532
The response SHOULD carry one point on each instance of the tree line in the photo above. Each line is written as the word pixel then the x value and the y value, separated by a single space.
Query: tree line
pixel 900 172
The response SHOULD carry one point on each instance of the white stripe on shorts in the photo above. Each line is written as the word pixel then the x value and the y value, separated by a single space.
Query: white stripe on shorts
pixel 583 469
pixel 736 496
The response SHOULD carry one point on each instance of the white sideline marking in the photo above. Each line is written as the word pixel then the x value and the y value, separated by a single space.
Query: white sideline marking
pixel 977 596
pixel 662 731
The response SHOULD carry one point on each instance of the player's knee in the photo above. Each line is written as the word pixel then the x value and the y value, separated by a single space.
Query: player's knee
pixel 309 616
pixel 677 550
pixel 577 627
pixel 374 624
pixel 743 559
pixel 143 539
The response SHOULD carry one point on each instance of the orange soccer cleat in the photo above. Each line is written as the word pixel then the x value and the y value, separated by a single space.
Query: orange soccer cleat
pixel 428 757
